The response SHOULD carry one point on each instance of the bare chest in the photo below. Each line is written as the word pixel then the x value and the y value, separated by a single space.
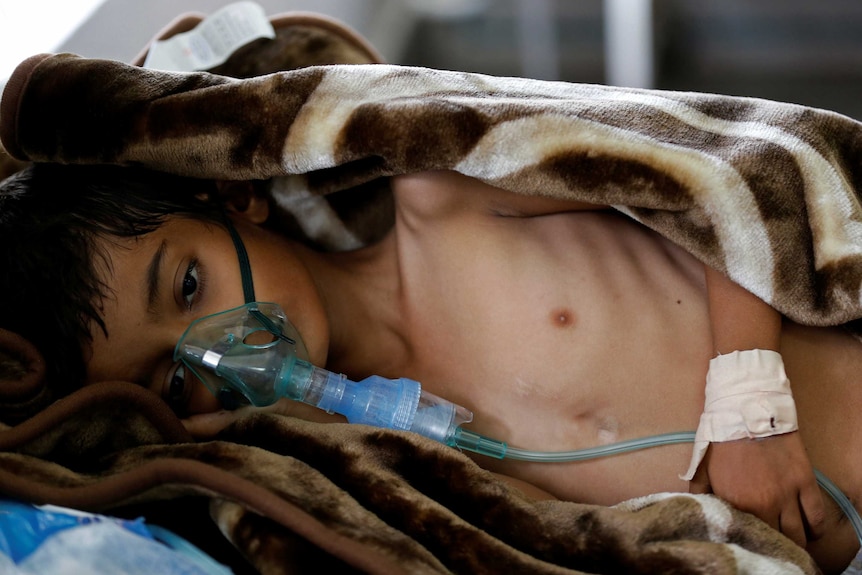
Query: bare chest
pixel 560 332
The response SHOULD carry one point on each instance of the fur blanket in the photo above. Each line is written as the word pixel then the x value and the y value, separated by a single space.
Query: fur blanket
pixel 767 192
pixel 764 191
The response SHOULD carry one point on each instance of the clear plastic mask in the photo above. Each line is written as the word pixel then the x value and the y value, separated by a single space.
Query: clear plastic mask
pixel 241 352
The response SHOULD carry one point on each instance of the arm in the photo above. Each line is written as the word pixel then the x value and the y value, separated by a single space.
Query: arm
pixel 770 477
pixel 432 195
pixel 740 320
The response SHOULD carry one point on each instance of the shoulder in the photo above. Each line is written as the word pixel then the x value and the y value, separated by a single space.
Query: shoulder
pixel 444 194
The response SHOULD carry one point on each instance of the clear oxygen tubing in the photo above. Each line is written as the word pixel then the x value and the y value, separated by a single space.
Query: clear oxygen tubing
pixel 471 441
pixel 843 503
pixel 480 444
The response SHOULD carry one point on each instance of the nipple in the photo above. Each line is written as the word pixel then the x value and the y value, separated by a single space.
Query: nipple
pixel 562 317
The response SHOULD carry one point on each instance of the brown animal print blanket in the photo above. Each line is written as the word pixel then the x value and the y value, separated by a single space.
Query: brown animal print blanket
pixel 767 192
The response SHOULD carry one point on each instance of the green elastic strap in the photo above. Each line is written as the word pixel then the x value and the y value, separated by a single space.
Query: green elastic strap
pixel 248 283
pixel 244 265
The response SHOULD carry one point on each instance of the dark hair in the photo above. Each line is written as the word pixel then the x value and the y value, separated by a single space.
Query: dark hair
pixel 51 217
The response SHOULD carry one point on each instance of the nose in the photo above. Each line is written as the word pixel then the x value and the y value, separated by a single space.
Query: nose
pixel 186 393
pixel 171 333
pixel 158 345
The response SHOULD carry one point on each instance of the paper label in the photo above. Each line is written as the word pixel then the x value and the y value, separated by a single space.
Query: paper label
pixel 212 41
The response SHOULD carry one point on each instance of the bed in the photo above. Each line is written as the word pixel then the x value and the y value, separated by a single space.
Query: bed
pixel 294 496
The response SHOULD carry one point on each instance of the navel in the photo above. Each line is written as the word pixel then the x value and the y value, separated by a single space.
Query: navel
pixel 562 317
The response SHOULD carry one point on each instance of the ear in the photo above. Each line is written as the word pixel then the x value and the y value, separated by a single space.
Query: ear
pixel 241 199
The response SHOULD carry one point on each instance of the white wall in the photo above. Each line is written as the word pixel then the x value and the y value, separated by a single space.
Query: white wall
pixel 119 29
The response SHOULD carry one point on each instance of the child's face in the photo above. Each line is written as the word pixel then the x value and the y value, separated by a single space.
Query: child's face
pixel 185 270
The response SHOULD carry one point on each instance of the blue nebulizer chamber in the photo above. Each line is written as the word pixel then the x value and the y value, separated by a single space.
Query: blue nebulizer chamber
pixel 254 354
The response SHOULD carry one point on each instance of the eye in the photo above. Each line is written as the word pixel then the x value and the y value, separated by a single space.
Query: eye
pixel 190 284
pixel 177 390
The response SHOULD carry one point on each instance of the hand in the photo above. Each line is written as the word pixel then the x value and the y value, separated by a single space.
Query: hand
pixel 771 478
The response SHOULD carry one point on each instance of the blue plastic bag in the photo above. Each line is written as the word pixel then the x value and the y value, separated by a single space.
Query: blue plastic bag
pixel 49 539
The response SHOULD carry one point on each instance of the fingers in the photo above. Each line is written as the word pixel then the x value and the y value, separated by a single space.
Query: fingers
pixel 791 525
pixel 798 515
pixel 699 484
pixel 801 519
pixel 813 510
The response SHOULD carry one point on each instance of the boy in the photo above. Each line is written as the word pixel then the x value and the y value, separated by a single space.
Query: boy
pixel 560 325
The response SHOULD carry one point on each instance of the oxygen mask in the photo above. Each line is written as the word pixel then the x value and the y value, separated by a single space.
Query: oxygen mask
pixel 242 352
pixel 254 354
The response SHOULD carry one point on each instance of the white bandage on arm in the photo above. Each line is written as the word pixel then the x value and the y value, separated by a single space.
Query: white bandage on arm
pixel 747 396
